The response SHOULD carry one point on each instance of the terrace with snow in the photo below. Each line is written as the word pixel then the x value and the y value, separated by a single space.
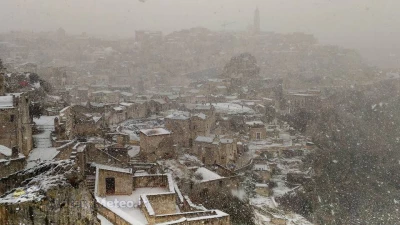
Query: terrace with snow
pixel 147 199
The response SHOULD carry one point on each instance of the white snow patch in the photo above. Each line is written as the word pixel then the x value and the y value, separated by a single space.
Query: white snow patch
pixel 207 174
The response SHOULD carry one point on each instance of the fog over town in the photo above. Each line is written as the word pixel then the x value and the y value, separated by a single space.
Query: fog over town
pixel 360 24
pixel 255 112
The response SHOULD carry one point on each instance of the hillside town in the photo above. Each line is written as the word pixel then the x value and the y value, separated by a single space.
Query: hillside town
pixel 193 127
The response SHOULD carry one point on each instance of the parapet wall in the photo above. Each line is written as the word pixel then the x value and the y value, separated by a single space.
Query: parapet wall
pixel 150 181
pixel 111 216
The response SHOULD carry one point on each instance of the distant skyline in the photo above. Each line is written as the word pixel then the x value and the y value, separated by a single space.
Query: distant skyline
pixel 368 25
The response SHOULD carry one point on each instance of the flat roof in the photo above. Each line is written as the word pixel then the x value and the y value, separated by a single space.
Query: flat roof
pixel 6 102
pixel 155 132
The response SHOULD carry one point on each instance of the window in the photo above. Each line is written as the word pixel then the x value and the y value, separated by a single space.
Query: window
pixel 12 118
pixel 258 136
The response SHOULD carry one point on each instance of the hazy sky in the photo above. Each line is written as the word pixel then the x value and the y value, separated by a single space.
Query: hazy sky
pixel 353 23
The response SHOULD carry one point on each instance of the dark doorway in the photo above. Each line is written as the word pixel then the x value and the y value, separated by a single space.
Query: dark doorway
pixel 110 185
pixel 190 142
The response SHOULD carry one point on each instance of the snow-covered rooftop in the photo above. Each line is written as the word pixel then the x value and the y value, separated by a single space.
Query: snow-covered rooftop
pixel 232 108
pixel 6 102
pixel 4 150
pixel 179 115
pixel 204 139
pixel 155 132
pixel 115 169
pixel 252 123
pixel 207 174
pixel 226 141
pixel 201 115
pixel 126 103
pixel 134 151
pixel 261 167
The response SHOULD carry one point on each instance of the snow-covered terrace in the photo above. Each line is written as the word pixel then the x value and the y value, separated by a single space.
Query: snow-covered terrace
pixel 137 208
pixel 132 214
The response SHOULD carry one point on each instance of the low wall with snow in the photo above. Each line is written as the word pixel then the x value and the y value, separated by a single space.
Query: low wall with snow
pixel 111 216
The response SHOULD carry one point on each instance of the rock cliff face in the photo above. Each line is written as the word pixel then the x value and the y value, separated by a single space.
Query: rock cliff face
pixel 50 193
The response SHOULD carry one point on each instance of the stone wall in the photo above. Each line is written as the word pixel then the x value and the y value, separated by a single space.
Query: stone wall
pixel 253 133
pixel 123 182
pixel 94 155
pixel 11 166
pixel 153 148
pixel 224 220
pixel 111 216
pixel 65 205
pixel 150 181
pixel 163 203
pixel 180 131
pixel 65 151
pixel 211 153
pixel 206 152
pixel 227 183
pixel 62 199
pixel 8 128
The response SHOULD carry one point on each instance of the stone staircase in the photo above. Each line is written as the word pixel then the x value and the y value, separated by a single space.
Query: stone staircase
pixel 135 160
pixel 73 155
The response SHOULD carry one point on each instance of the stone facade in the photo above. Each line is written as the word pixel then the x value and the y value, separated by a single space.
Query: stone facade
pixel 156 144
pixel 303 101
pixel 11 166
pixel 213 150
pixel 121 180
pixel 186 127
pixel 257 130
pixel 263 190
pixel 181 130
pixel 161 207
pixel 16 124
pixel 79 121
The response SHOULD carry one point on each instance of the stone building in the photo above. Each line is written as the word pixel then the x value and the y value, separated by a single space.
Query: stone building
pixel 113 181
pixel 257 130
pixel 180 125
pixel 186 126
pixel 156 144
pixel 79 121
pixel 263 171
pixel 308 101
pixel 16 124
pixel 11 161
pixel 214 150
pixel 149 199
pixel 104 96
